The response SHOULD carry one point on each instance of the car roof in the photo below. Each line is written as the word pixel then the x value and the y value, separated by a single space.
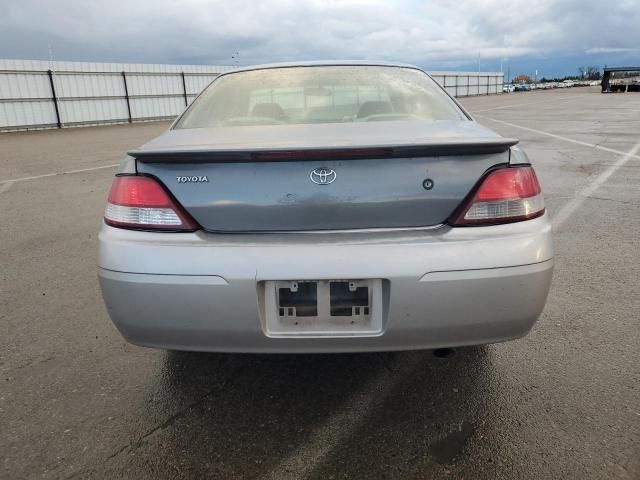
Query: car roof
pixel 323 63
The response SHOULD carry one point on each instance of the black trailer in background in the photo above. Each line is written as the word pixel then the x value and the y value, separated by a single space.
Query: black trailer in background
pixel 621 79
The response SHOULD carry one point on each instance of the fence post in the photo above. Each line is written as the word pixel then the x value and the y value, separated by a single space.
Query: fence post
pixel 456 79
pixel 184 90
pixel 54 98
pixel 487 84
pixel 126 94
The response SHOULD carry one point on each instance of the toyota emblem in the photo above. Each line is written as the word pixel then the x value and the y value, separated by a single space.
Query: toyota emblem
pixel 323 176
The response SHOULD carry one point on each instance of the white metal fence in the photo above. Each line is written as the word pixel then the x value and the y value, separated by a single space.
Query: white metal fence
pixel 39 94
pixel 466 84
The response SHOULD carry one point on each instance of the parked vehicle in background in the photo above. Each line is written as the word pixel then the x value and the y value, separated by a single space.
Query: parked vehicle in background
pixel 508 88
pixel 621 79
pixel 325 207
pixel 521 87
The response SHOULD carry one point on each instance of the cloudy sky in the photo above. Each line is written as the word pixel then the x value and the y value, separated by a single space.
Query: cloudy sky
pixel 552 36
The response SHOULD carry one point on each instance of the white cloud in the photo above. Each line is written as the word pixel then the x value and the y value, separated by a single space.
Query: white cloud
pixel 610 50
pixel 209 31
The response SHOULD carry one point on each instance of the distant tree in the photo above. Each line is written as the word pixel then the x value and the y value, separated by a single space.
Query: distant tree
pixel 521 79
pixel 586 73
pixel 593 73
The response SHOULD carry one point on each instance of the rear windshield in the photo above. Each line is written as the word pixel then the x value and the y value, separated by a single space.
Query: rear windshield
pixel 332 94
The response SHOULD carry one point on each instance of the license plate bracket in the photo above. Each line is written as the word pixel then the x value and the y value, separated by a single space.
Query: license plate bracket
pixel 343 307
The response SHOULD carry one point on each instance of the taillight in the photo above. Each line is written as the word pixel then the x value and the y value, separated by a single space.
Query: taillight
pixel 505 195
pixel 139 202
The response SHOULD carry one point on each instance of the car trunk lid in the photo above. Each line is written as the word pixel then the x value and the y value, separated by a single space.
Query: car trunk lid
pixel 270 178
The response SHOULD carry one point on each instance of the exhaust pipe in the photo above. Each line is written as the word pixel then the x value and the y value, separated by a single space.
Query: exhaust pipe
pixel 444 352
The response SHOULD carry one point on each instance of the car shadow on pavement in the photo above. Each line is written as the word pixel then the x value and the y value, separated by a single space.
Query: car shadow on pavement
pixel 239 416
pixel 425 425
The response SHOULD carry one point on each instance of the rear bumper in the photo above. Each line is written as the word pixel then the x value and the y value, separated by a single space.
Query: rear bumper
pixel 442 287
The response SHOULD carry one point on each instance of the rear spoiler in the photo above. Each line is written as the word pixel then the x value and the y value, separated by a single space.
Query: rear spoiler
pixel 441 148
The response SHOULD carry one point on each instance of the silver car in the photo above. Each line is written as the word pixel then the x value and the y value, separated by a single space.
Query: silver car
pixel 325 207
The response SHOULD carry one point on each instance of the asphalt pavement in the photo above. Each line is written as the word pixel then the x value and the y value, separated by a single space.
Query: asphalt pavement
pixel 77 401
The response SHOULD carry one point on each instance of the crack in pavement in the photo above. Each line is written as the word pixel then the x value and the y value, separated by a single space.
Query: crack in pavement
pixel 133 445
pixel 612 200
